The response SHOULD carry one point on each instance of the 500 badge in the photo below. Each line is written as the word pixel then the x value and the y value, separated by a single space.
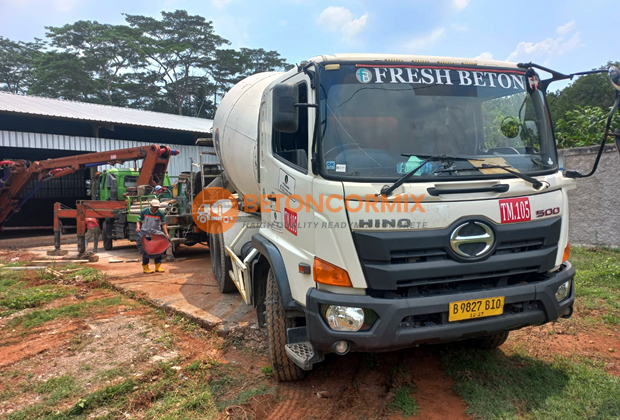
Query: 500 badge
pixel 547 212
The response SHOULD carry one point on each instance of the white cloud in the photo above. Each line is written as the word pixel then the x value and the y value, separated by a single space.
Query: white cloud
pixel 550 47
pixel 460 27
pixel 341 19
pixel 485 56
pixel 425 41
pixel 459 5
pixel 566 28
pixel 219 4
pixel 66 5
pixel 350 29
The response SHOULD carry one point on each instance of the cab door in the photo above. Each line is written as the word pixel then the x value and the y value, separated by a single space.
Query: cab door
pixel 286 180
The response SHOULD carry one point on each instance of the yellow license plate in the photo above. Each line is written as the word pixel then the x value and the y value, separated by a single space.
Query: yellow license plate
pixel 477 308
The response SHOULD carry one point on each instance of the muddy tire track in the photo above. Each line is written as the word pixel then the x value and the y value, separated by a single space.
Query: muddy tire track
pixel 361 386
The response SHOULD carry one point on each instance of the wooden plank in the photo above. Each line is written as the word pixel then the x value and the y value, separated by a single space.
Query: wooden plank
pixel 60 261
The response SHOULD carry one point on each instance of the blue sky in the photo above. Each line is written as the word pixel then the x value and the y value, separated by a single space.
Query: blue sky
pixel 567 35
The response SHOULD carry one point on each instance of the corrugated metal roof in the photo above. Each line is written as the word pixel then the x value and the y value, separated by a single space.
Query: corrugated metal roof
pixel 34 105
pixel 176 165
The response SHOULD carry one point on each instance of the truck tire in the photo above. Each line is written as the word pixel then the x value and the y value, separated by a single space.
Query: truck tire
pixel 106 234
pixel 220 263
pixel 490 341
pixel 284 369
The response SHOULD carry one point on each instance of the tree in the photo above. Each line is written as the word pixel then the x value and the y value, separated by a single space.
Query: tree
pixel 105 50
pixel 259 60
pixel 584 126
pixel 63 75
pixel 175 64
pixel 180 49
pixel 16 64
pixel 227 69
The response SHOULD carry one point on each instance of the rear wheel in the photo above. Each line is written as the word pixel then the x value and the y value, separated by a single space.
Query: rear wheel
pixel 106 234
pixel 174 247
pixel 221 264
pixel 490 341
pixel 284 369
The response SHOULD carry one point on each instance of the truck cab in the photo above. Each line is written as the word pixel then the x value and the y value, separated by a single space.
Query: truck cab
pixel 404 200
pixel 120 184
pixel 117 183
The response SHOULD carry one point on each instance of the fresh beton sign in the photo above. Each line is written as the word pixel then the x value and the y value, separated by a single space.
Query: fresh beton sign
pixel 441 76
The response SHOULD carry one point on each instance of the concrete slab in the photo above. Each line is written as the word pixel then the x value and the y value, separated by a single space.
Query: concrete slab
pixel 187 287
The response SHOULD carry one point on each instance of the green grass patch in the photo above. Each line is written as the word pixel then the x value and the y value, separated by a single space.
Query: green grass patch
pixel 16 295
pixel 403 402
pixel 58 388
pixel 53 391
pixel 89 274
pixel 497 386
pixel 159 393
pixel 78 310
pixel 597 282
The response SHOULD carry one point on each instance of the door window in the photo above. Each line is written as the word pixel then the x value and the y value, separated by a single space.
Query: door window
pixel 292 148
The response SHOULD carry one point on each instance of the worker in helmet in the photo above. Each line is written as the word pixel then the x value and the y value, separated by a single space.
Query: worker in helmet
pixel 152 218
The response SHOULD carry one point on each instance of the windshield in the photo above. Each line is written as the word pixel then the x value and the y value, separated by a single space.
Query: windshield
pixel 373 114
pixel 130 181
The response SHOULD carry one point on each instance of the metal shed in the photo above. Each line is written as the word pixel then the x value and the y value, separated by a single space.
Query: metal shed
pixel 36 128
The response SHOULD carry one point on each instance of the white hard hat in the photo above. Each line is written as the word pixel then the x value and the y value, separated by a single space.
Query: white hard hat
pixel 155 203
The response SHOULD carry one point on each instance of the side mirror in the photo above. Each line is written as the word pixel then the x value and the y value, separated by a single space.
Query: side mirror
pixel 285 117
pixel 614 76
pixel 510 127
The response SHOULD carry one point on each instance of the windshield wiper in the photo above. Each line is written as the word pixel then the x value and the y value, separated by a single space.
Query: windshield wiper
pixel 535 183
pixel 387 190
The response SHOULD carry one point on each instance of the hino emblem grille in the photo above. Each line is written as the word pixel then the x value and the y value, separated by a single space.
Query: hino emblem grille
pixel 472 240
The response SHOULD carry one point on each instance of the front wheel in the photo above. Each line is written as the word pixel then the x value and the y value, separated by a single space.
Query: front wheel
pixel 106 234
pixel 284 369
pixel 490 341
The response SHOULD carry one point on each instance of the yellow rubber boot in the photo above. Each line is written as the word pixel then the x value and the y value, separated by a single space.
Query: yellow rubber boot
pixel 146 269
pixel 158 268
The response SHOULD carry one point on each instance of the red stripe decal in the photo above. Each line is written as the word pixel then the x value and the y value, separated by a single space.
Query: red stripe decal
pixel 440 67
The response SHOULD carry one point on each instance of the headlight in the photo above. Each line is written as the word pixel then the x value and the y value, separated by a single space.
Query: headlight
pixel 563 291
pixel 344 318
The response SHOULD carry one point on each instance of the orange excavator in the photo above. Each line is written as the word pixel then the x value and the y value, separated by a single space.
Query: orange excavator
pixel 16 175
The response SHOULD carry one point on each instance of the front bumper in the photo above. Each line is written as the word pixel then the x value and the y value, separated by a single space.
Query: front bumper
pixel 524 305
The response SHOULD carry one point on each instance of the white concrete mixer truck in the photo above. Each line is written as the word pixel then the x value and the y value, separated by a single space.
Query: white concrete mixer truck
pixel 386 201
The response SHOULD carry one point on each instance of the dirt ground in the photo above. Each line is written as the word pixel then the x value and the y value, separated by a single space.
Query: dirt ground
pixel 170 362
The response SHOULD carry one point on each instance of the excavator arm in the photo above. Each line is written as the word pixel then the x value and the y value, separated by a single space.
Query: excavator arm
pixel 18 174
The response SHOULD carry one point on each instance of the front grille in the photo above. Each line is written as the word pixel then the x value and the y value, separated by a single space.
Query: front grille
pixel 417 256
pixel 413 256
pixel 397 260
pixel 430 287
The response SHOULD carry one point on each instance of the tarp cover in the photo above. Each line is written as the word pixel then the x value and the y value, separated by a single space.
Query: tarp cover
pixel 152 243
